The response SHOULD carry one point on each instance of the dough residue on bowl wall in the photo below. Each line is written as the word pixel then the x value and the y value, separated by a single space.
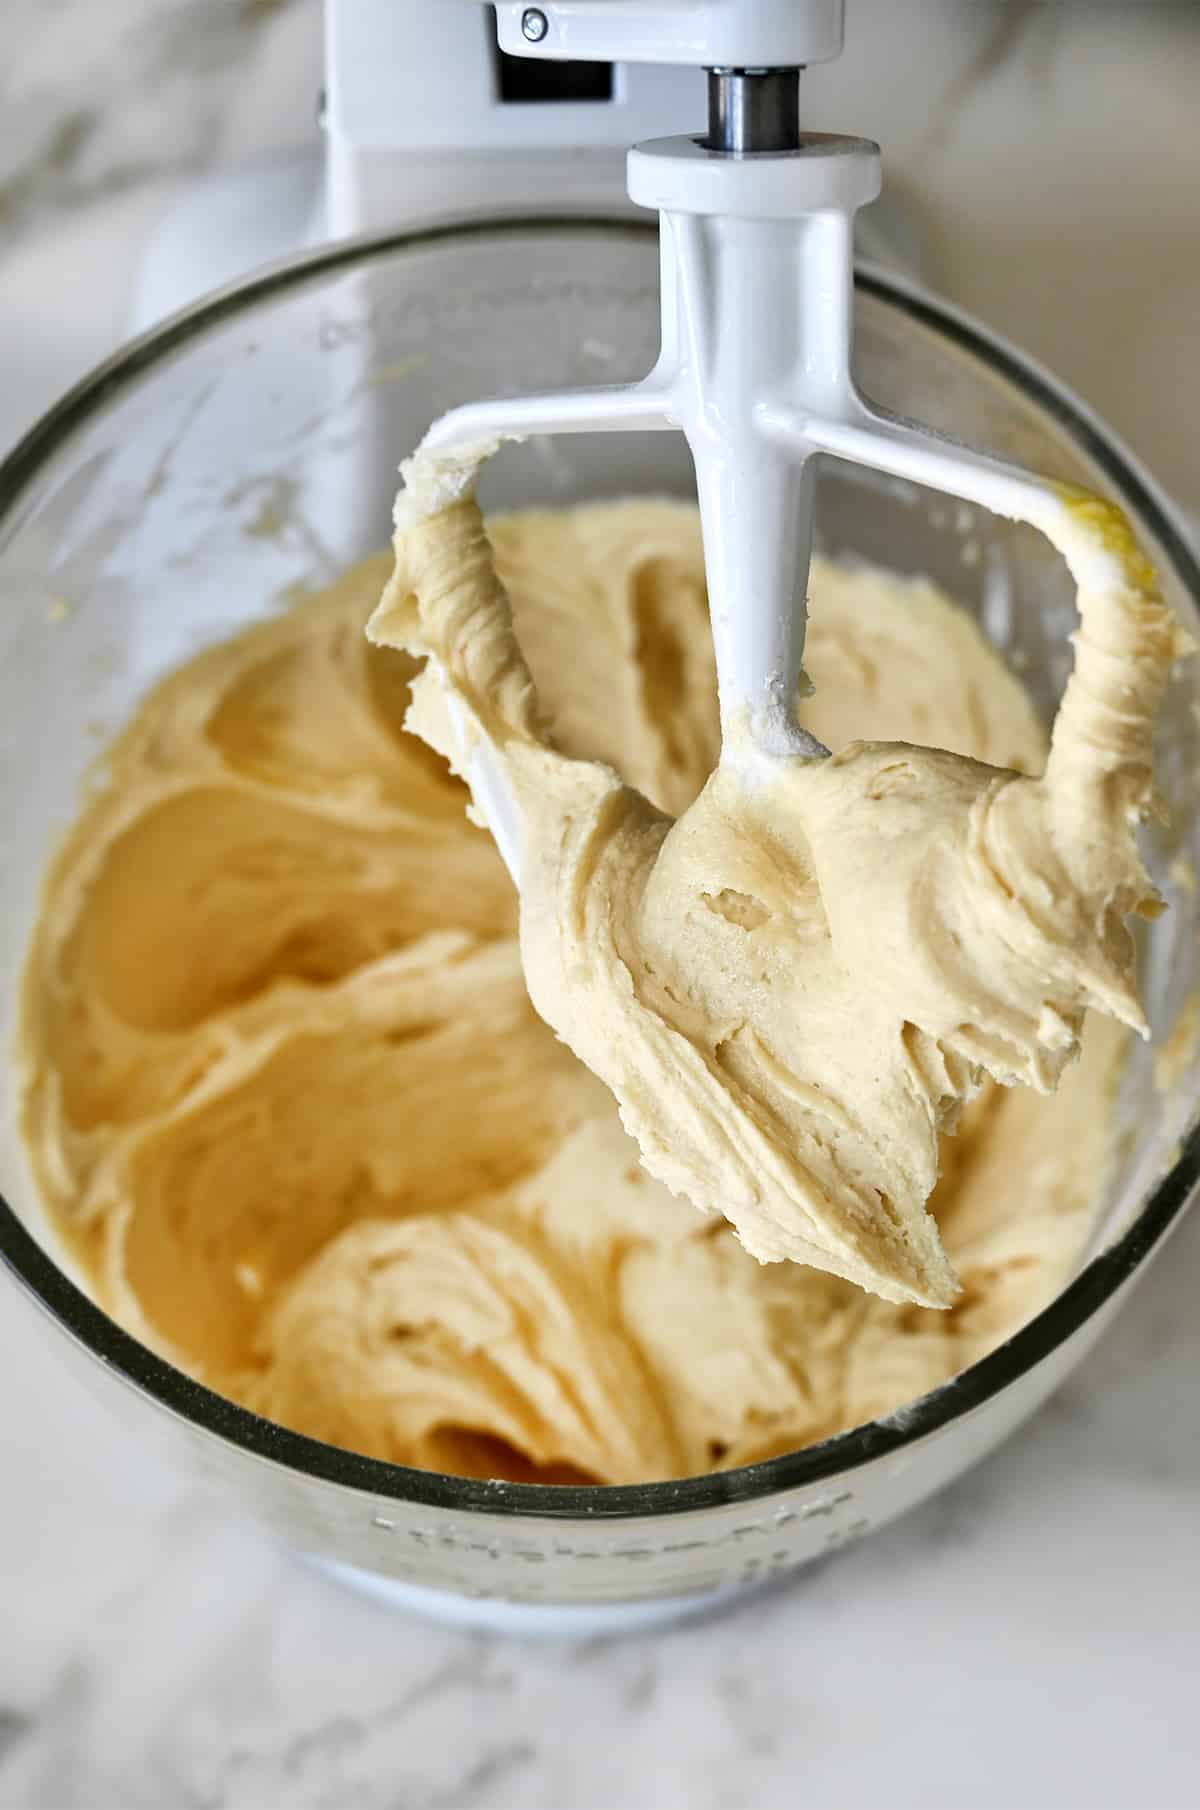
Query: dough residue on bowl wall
pixel 284 1089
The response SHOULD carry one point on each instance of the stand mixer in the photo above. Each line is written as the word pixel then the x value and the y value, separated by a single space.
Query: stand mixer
pixel 757 289
pixel 307 384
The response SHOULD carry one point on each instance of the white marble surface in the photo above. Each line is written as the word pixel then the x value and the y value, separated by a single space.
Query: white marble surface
pixel 1030 1638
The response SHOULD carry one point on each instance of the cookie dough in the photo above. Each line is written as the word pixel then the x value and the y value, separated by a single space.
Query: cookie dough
pixel 793 986
pixel 286 1096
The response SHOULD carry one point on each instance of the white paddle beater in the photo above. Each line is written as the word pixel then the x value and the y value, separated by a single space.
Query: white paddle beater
pixel 757 291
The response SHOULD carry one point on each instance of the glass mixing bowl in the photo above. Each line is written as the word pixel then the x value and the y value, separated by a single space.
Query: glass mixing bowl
pixel 248 447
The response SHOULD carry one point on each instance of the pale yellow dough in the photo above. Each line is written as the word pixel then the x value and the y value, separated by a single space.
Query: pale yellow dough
pixel 793 985
pixel 284 1089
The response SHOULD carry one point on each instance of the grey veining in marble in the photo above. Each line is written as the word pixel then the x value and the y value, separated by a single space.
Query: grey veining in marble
pixel 1032 1637
pixel 153 98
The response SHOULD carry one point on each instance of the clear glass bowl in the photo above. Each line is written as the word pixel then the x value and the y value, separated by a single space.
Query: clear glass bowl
pixel 249 446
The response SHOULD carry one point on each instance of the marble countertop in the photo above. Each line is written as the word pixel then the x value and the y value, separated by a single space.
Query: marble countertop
pixel 1032 1636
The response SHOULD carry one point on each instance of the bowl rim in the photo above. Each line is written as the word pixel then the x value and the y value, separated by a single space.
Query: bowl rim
pixel 1097 1284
